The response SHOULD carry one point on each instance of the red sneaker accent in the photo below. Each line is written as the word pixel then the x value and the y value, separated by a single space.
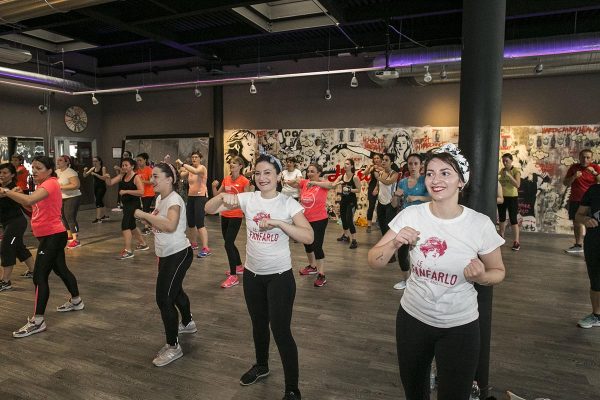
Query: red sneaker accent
pixel 231 281
pixel 308 270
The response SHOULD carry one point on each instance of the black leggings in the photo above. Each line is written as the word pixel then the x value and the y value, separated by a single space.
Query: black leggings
pixel 591 250
pixel 12 246
pixel 230 228
pixel 385 214
pixel 195 211
pixel 512 205
pixel 347 215
pixel 270 299
pixel 70 208
pixel 170 296
pixel 317 245
pixel 51 257
pixel 99 192
pixel 372 203
pixel 456 352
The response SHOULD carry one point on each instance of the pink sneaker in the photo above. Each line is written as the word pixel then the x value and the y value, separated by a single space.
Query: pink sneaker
pixel 320 281
pixel 231 281
pixel 73 244
pixel 239 270
pixel 308 270
pixel 194 245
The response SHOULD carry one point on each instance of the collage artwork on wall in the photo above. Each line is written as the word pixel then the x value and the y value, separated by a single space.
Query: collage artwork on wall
pixel 543 153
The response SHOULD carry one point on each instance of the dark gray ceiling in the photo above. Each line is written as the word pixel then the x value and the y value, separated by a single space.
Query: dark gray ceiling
pixel 210 34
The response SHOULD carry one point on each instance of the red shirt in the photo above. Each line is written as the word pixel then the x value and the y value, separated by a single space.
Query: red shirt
pixel 234 187
pixel 314 200
pixel 584 182
pixel 22 175
pixel 145 174
pixel 46 218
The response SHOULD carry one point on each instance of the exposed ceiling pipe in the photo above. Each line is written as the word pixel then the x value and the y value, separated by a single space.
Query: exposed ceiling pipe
pixel 53 84
pixel 13 11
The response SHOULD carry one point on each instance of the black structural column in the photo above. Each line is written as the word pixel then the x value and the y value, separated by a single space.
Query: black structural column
pixel 216 141
pixel 479 136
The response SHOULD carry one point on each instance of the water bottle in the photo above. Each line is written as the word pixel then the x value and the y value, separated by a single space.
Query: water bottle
pixel 432 377
pixel 475 392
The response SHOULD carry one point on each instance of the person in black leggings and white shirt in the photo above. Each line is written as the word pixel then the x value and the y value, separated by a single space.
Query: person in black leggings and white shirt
pixel 175 255
pixel 269 285
pixel 452 249
pixel 350 187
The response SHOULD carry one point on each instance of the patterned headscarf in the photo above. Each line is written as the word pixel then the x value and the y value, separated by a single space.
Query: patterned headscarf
pixel 462 162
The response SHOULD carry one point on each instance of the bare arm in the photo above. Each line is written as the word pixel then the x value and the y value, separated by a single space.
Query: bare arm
pixel 216 189
pixel 499 194
pixel 87 171
pixel 393 177
pixel 380 254
pixel 201 170
pixel 356 185
pixel 24 199
pixel 487 270
pixel 72 185
pixel 583 217
pixel 168 224
pixel 322 184
pixel 300 230
pixel 222 202
pixel 139 188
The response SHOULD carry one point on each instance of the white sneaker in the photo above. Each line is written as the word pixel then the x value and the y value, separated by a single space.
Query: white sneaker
pixel 68 306
pixel 168 355
pixel 400 285
pixel 30 328
pixel 189 328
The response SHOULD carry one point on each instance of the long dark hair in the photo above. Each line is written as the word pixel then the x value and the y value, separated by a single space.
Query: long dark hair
pixel 11 168
pixel 46 162
pixel 130 161
pixel 101 163
pixel 170 172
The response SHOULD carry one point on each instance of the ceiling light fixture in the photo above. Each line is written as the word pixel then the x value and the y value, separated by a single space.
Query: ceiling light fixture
pixel 138 96
pixel 328 94
pixel 443 73
pixel 197 92
pixel 354 81
pixel 95 100
pixel 252 88
pixel 539 68
pixel 427 77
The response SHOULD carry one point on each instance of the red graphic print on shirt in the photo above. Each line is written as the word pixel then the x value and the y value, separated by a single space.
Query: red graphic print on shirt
pixel 432 249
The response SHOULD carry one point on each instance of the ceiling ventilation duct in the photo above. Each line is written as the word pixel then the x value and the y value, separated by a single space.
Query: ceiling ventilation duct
pixel 13 11
pixel 9 55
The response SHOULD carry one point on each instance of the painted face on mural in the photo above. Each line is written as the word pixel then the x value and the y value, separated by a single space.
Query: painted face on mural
pixel 442 181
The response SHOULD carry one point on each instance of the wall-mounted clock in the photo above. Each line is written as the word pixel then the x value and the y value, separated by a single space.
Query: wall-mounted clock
pixel 76 119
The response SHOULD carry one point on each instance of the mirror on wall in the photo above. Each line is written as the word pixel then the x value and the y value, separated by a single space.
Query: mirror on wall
pixel 158 147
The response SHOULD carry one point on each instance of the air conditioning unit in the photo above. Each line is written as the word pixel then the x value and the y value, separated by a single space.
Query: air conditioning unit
pixel 10 55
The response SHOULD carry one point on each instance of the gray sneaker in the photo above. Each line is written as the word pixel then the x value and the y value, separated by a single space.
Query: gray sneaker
pixel 167 355
pixel 68 306
pixel 589 321
pixel 575 249
pixel 30 328
pixel 189 328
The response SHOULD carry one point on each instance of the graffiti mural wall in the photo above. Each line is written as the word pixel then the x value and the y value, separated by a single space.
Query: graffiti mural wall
pixel 544 154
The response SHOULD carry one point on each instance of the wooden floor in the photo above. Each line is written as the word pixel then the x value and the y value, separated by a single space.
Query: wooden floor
pixel 344 331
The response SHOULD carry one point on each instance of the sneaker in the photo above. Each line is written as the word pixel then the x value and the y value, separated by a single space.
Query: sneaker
pixel 308 270
pixel 5 285
pixel 231 281
pixel 239 270
pixel 168 355
pixel 142 247
pixel 27 274
pixel 194 245
pixel 353 245
pixel 104 218
pixel 146 231
pixel 189 328
pixel 575 249
pixel 69 306
pixel 291 396
pixel 30 328
pixel 400 285
pixel 516 246
pixel 343 238
pixel 125 254
pixel 320 281
pixel 254 374
pixel 589 321
pixel 205 252
pixel 97 221
pixel 73 244
pixel 117 209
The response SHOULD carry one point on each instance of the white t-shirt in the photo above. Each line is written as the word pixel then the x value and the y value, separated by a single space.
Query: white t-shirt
pixel 289 176
pixel 165 243
pixel 267 252
pixel 63 179
pixel 437 292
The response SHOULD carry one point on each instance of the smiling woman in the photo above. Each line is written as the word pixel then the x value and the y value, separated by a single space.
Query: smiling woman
pixel 438 313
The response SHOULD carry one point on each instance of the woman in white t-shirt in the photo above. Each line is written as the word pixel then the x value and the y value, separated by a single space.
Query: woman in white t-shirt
pixel 69 186
pixel 290 178
pixel 452 247
pixel 269 285
pixel 175 255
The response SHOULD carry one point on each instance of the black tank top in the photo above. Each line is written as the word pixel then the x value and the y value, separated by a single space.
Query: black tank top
pixel 128 199
pixel 9 209
pixel 98 183
pixel 347 195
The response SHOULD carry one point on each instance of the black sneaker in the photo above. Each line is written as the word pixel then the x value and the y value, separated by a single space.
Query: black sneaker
pixel 353 245
pixel 97 221
pixel 291 396
pixel 105 218
pixel 254 374
pixel 27 274
pixel 5 285
pixel 343 238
